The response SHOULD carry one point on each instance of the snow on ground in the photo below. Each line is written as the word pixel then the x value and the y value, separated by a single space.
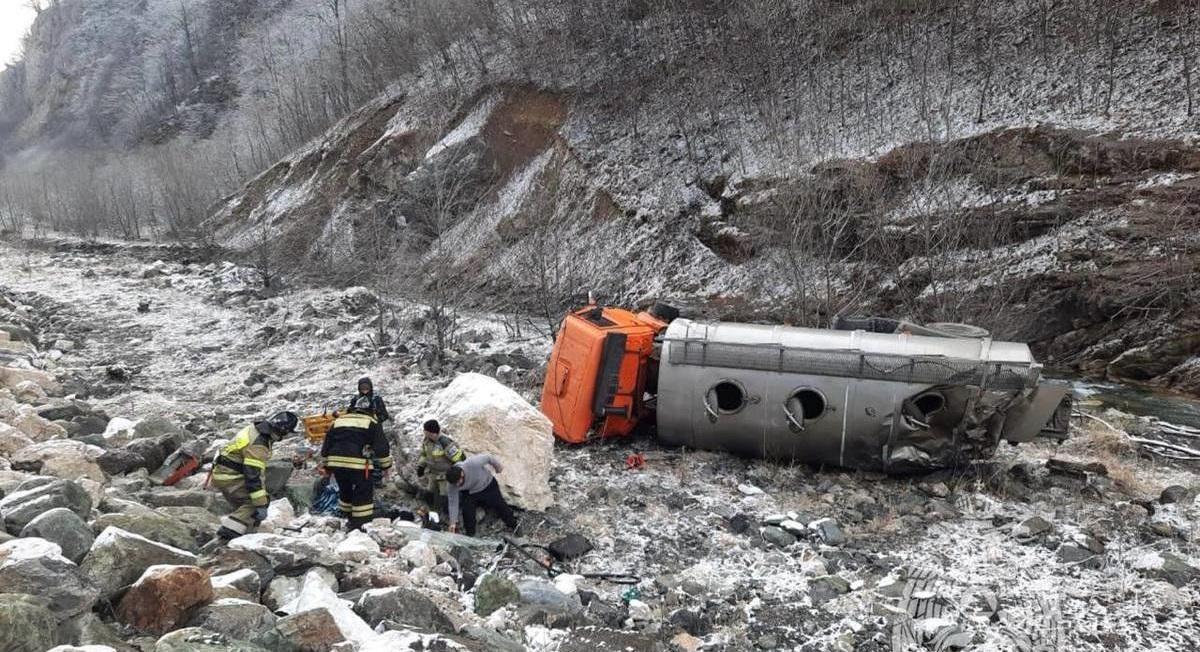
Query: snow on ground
pixel 208 344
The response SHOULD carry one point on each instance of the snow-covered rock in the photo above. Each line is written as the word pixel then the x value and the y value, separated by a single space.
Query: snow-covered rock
pixel 316 594
pixel 484 416
pixel 69 459
pixel 282 592
pixel 288 553
pixel 118 558
pixel 419 554
pixel 358 547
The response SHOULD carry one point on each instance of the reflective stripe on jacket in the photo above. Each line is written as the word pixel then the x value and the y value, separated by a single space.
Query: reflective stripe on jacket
pixel 245 456
pixel 440 455
pixel 356 441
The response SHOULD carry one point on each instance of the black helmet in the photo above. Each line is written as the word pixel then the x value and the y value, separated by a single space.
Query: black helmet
pixel 284 422
pixel 366 380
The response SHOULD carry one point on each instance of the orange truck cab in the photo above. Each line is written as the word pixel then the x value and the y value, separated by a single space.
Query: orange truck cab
pixel 603 365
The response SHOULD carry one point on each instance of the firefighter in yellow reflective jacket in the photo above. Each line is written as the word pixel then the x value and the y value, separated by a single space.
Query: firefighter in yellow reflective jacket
pixel 438 454
pixel 240 470
pixel 357 453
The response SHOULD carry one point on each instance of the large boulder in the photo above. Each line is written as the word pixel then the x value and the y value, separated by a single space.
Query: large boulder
pixel 12 440
pixel 149 454
pixel 244 582
pixel 69 459
pixel 159 426
pixel 149 524
pixel 316 594
pixel 165 597
pixel 484 416
pixel 289 553
pixel 34 497
pixel 118 558
pixel 197 639
pixel 202 523
pixel 10 377
pixel 403 605
pixel 26 624
pixel 64 527
pixel 26 420
pixel 283 591
pixel 314 630
pixel 1166 566
pixel 226 560
pixel 52 577
pixel 493 592
pixel 238 619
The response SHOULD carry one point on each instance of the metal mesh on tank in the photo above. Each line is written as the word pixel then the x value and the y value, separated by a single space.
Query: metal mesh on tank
pixel 928 370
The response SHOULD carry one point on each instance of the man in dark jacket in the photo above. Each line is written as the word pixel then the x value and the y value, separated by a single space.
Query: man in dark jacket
pixel 357 453
pixel 240 470
pixel 367 388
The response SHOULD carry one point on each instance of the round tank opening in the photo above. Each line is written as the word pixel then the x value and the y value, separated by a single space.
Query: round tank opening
pixel 729 396
pixel 807 403
pixel 929 403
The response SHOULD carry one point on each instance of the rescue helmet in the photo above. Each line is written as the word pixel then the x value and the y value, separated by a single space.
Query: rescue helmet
pixel 433 426
pixel 365 381
pixel 284 422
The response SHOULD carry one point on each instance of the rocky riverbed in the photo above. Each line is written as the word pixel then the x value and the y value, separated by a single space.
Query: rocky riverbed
pixel 114 358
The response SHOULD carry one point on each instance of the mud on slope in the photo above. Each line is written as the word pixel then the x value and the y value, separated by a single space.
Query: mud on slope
pixel 1084 244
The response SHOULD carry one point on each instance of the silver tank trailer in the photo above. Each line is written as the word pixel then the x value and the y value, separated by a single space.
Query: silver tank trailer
pixel 893 402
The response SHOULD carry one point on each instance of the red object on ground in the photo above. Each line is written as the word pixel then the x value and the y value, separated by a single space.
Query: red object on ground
pixel 635 461
pixel 186 466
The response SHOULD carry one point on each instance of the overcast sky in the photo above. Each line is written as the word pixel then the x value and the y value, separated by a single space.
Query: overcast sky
pixel 15 17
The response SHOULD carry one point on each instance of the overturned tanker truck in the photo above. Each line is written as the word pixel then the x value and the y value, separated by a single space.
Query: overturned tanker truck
pixel 871 393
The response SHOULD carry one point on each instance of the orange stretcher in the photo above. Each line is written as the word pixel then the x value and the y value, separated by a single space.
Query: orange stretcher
pixel 316 426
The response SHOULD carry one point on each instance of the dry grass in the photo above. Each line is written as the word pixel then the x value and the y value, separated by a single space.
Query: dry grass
pixel 1092 441
pixel 885 523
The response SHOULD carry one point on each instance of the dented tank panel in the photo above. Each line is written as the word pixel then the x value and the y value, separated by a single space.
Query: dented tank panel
pixel 856 399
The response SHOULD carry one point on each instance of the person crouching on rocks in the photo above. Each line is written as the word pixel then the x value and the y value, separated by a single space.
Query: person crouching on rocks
pixel 358 455
pixel 240 470
pixel 474 484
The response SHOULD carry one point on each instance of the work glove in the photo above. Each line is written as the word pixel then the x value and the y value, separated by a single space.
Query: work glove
pixel 376 477
pixel 420 470
pixel 260 514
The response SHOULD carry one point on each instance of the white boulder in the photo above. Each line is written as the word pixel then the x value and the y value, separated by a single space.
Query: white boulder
pixel 357 546
pixel 316 594
pixel 484 416
pixel 119 428
pixel 419 554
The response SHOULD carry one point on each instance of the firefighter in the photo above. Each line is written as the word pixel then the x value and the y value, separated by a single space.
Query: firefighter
pixel 438 454
pixel 474 484
pixel 239 473
pixel 367 388
pixel 357 453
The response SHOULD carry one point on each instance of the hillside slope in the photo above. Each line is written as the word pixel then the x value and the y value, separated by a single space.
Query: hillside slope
pixel 937 163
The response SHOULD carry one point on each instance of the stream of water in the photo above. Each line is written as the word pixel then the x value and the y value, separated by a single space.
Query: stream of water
pixel 1171 408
